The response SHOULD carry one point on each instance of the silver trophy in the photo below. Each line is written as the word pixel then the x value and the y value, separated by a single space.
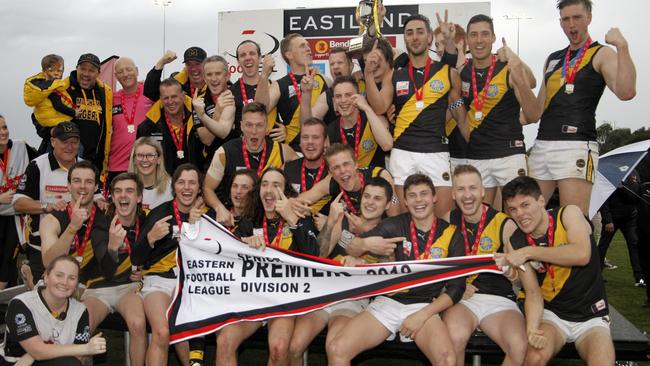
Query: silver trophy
pixel 367 15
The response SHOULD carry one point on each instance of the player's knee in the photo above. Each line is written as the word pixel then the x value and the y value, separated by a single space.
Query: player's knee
pixel 459 337
pixel 297 347
pixel 516 350
pixel 445 358
pixel 278 349
pixel 137 326
pixel 535 357
pixel 336 349
pixel 226 343
pixel 160 336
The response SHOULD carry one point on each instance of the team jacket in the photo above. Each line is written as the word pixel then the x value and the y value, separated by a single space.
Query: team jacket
pixel 39 93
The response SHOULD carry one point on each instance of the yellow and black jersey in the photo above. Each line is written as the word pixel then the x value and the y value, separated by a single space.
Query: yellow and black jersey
pixel 234 161
pixel 340 249
pixel 498 132
pixel 300 238
pixel 293 170
pixel 332 115
pixel 113 271
pixel 94 119
pixel 447 242
pixel 355 197
pixel 98 237
pixel 160 259
pixel 184 79
pixel 370 154
pixel 289 108
pixel 571 117
pixel 421 130
pixel 489 243
pixel 250 91
pixel 573 293
pixel 155 126
pixel 457 144
pixel 152 84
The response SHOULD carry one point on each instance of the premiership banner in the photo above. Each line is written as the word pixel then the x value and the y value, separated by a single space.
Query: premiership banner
pixel 222 281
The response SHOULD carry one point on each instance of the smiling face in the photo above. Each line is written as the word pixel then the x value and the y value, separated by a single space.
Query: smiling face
pixel 54 71
pixel 340 65
pixel 87 75
pixel 312 141
pixel 417 37
pixel 253 128
pixel 575 20
pixel 342 98
pixel 468 192
pixel 216 76
pixel 270 182
pixel 248 58
pixel 61 281
pixel 126 197
pixel 65 151
pixel 146 159
pixel 4 132
pixel 480 39
pixel 126 73
pixel 82 186
pixel 374 202
pixel 527 211
pixel 195 72
pixel 343 168
pixel 420 200
pixel 187 189
pixel 239 189
pixel 171 97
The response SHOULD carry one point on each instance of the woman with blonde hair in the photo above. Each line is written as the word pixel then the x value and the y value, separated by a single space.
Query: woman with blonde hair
pixel 148 163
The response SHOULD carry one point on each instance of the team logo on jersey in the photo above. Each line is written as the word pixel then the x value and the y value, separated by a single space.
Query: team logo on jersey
pixel 435 252
pixel 367 145
pixel 286 231
pixel 292 91
pixel 406 247
pixel 20 319
pixel 486 244
pixel 492 91
pixel 437 85
pixel 402 88
pixel 551 65
pixel 316 84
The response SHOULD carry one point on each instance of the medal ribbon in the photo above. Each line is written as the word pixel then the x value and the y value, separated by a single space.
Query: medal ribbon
pixel 478 104
pixel 419 92
pixel 479 232
pixel 295 87
pixel 568 72
pixel 303 178
pixel 81 248
pixel 66 98
pixel 127 243
pixel 260 167
pixel 347 198
pixel 414 240
pixel 549 239
pixel 242 87
pixel 130 121
pixel 357 134
pixel 178 140
pixel 4 166
pixel 278 234
pixel 177 216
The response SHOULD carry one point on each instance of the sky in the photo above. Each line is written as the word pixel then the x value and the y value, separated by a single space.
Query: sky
pixel 30 29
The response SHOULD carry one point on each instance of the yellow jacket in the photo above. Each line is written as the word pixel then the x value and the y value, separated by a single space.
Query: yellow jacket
pixel 36 94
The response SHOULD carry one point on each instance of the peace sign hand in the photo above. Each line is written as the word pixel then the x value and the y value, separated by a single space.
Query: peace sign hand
pixel 198 103
pixel 447 28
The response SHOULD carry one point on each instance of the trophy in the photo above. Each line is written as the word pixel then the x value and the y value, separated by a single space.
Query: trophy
pixel 367 15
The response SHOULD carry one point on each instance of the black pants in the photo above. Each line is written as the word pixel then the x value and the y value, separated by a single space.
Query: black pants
pixel 627 226
pixel 644 251
pixel 8 250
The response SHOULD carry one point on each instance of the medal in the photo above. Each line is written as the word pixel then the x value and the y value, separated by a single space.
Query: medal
pixel 478 103
pixel 568 88
pixel 419 92
pixel 130 121
pixel 130 128
pixel 178 140
pixel 180 154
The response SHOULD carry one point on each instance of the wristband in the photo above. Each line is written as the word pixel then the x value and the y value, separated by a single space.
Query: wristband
pixel 456 104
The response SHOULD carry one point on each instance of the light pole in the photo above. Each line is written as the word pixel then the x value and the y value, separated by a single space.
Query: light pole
pixel 164 4
pixel 518 18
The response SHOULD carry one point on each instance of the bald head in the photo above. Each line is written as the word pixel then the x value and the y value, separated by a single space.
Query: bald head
pixel 127 74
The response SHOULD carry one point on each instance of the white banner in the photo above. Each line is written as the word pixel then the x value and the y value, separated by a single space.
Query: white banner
pixel 222 281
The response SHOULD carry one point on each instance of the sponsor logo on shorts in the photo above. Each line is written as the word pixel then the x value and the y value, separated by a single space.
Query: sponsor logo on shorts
pixel 436 252
pixel 493 91
pixel 580 163
pixel 437 85
pixel 402 88
pixel 486 244
pixel 521 172
pixel 445 176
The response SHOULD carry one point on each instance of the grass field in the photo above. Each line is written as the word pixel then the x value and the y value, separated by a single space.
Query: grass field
pixel 620 291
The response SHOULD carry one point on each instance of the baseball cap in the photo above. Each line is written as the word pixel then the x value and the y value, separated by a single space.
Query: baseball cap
pixel 90 58
pixel 65 130
pixel 194 54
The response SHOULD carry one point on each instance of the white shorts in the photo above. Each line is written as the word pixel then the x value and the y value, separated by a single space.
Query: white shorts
pixel 111 296
pixel 557 160
pixel 346 308
pixel 391 313
pixel 454 162
pixel 498 172
pixel 434 165
pixel 155 283
pixel 484 305
pixel 572 331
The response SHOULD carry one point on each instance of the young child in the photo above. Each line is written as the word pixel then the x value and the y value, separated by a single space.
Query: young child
pixel 46 92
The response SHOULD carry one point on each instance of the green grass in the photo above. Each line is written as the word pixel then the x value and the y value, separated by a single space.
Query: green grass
pixel 621 294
